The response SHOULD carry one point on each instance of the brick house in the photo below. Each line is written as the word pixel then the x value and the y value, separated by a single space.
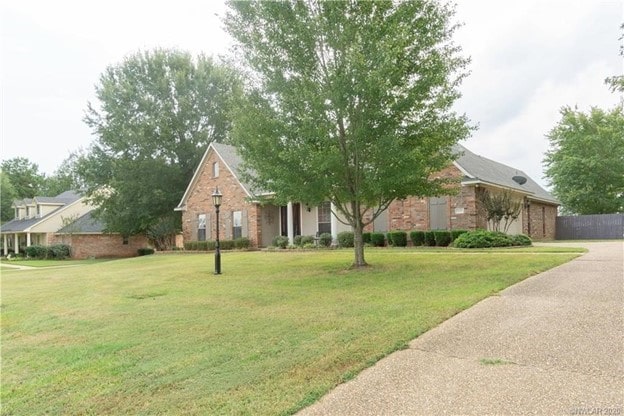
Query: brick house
pixel 87 238
pixel 64 219
pixel 241 215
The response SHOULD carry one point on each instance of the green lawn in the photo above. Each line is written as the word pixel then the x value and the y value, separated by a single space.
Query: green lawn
pixel 163 335
pixel 49 263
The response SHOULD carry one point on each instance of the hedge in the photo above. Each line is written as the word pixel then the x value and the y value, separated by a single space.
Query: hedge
pixel 325 239
pixel 378 239
pixel 442 238
pixel 145 251
pixel 429 238
pixel 345 239
pixel 485 239
pixel 397 238
pixel 56 252
pixel 417 237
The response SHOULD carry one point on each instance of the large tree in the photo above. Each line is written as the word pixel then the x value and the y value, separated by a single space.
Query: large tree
pixel 157 112
pixel 7 196
pixel 24 176
pixel 585 161
pixel 348 101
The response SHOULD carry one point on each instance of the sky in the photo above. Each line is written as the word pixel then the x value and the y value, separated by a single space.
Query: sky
pixel 529 58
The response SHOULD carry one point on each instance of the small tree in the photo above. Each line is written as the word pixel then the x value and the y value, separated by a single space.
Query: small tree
pixel 349 102
pixel 499 207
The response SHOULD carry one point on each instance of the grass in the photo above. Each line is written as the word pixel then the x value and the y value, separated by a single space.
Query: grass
pixel 49 263
pixel 272 334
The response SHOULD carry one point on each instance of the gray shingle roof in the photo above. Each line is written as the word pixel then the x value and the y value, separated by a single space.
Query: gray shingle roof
pixel 85 224
pixel 495 173
pixel 62 199
pixel 231 157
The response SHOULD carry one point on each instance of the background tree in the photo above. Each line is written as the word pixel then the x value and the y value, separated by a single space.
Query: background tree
pixel 65 178
pixel 348 101
pixel 617 81
pixel 7 196
pixel 585 161
pixel 157 113
pixel 24 176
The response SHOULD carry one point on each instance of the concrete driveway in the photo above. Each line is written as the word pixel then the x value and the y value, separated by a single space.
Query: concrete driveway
pixel 550 345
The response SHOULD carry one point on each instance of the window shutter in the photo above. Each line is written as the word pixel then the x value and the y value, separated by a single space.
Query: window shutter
pixel 208 226
pixel 194 225
pixel 228 225
pixel 245 226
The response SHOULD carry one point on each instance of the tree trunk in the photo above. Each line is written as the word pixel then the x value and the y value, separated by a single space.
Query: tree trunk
pixel 358 243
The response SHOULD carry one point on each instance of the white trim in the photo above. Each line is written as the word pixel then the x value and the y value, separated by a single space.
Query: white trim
pixel 462 170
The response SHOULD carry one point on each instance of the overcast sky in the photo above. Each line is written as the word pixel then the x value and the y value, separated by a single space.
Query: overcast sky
pixel 529 58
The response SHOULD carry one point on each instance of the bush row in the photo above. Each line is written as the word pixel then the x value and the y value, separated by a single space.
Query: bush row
pixel 145 251
pixel 484 239
pixel 56 252
pixel 440 238
pixel 239 243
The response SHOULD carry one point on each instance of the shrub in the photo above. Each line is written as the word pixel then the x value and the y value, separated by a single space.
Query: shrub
pixel 521 240
pixel 59 251
pixel 242 243
pixel 307 240
pixel 228 244
pixel 378 239
pixel 417 237
pixel 366 238
pixel 325 240
pixel 297 240
pixel 280 241
pixel 442 238
pixel 397 238
pixel 457 233
pixel 429 238
pixel 145 251
pixel 309 245
pixel 36 252
pixel 345 239
pixel 484 239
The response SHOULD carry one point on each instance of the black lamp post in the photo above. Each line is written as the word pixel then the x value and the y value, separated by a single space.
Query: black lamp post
pixel 216 200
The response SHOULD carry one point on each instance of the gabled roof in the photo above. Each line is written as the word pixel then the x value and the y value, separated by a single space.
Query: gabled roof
pixel 62 200
pixel 86 224
pixel 478 169
pixel 232 160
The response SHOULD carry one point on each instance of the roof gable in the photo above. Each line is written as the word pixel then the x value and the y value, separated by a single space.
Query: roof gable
pixel 481 169
pixel 232 161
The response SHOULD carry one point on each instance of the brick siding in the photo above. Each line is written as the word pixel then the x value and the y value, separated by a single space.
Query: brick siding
pixel 234 199
pixel 100 245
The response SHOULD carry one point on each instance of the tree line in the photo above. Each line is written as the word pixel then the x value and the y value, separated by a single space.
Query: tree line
pixel 343 101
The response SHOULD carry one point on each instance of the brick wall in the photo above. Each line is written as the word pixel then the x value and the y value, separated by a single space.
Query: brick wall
pixel 200 202
pixel 539 221
pixel 412 213
pixel 100 245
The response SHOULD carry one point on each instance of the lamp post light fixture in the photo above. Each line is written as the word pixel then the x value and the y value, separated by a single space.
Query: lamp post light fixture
pixel 216 200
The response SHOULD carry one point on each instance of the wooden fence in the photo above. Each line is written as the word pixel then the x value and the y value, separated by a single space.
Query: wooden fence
pixel 607 226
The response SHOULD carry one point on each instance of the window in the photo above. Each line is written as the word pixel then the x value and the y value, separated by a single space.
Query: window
pixel 324 218
pixel 237 224
pixel 215 170
pixel 125 240
pixel 201 227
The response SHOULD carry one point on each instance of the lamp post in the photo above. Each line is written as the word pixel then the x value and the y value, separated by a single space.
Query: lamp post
pixel 216 200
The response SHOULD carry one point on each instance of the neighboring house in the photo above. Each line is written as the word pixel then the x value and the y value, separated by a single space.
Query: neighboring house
pixel 64 219
pixel 36 220
pixel 87 238
pixel 241 215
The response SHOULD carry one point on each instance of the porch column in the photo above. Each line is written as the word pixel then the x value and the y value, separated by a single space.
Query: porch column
pixel 291 227
pixel 334 224
pixel 5 245
pixel 16 248
pixel 27 239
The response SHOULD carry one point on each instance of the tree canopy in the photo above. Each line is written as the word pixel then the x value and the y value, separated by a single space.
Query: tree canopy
pixel 24 177
pixel 585 161
pixel 157 111
pixel 348 101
